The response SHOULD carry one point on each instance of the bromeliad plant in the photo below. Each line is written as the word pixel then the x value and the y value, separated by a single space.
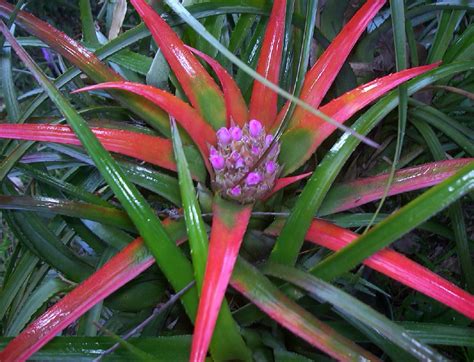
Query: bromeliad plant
pixel 249 154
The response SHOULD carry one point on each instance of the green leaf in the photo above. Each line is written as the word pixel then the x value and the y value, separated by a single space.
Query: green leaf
pixel 347 305
pixel 35 301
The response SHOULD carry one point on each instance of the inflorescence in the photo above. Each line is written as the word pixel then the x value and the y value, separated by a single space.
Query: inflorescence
pixel 238 151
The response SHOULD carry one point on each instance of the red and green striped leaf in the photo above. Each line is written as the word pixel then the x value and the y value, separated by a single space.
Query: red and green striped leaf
pixel 263 102
pixel 311 131
pixel 391 264
pixel 229 224
pixel 237 112
pixel 200 88
pixel 85 60
pixel 320 77
pixel 122 268
pixel 187 117
pixel 155 150
pixel 358 192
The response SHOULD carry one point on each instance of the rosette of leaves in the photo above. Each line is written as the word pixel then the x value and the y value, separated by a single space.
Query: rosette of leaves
pixel 241 155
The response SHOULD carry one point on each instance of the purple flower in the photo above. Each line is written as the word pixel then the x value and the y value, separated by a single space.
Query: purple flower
pixel 223 135
pixel 255 150
pixel 235 191
pixel 237 156
pixel 253 178
pixel 217 161
pixel 236 133
pixel 268 140
pixel 270 166
pixel 255 128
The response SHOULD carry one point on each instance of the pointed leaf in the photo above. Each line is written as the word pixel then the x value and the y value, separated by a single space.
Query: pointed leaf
pixel 319 79
pixel 229 224
pixel 392 264
pixel 201 133
pixel 263 103
pixel 314 130
pixel 237 112
pixel 359 192
pixel 198 85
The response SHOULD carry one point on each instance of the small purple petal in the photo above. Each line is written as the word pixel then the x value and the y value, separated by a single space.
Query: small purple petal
pixel 223 135
pixel 236 133
pixel 255 150
pixel 240 163
pixel 213 151
pixel 270 166
pixel 253 178
pixel 217 161
pixel 235 191
pixel 255 128
pixel 268 140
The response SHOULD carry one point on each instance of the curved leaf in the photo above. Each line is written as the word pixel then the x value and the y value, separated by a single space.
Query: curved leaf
pixel 234 101
pixel 229 223
pixel 391 264
pixel 198 85
pixel 399 223
pixel 263 103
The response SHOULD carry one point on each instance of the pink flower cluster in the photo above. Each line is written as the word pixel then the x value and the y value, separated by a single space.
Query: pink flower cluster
pixel 238 151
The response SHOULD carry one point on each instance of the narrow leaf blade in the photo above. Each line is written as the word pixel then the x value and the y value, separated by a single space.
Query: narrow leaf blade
pixel 263 103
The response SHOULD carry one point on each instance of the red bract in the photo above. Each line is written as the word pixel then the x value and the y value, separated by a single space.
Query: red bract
pixel 211 109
